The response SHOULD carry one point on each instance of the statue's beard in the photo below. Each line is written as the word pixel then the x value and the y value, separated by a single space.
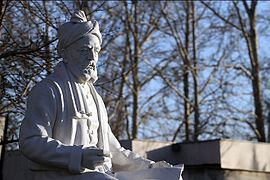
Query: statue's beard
pixel 91 73
pixel 83 75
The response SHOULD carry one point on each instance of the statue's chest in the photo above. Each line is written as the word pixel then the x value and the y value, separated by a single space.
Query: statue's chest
pixel 87 126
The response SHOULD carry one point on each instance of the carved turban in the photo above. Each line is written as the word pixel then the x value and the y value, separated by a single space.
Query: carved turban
pixel 70 32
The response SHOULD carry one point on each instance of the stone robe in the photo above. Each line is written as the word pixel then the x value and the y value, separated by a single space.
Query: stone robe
pixel 55 130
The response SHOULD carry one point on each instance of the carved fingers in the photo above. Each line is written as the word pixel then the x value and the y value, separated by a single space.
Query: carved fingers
pixel 93 157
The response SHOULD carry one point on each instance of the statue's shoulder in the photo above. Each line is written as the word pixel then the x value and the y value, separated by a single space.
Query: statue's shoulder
pixel 55 80
pixel 52 83
pixel 45 86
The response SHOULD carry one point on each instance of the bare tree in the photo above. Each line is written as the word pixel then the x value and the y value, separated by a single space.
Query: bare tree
pixel 168 70
pixel 129 50
pixel 247 26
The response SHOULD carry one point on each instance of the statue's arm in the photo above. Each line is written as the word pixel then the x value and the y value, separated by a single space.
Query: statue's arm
pixel 123 159
pixel 36 139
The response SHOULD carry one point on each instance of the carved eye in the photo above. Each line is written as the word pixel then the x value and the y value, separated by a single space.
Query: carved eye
pixel 97 49
pixel 84 51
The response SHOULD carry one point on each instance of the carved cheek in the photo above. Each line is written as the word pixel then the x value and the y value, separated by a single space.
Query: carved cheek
pixel 81 59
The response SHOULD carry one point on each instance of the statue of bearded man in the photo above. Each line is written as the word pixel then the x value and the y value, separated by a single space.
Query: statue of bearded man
pixel 65 133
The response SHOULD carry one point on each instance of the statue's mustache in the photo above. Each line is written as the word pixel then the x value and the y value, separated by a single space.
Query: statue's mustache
pixel 90 67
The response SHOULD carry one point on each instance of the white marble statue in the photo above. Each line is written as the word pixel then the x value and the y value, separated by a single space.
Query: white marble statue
pixel 65 133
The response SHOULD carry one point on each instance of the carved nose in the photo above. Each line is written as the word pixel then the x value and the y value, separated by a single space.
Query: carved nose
pixel 90 55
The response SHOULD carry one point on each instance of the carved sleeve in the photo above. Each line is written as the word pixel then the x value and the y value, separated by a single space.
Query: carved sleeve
pixel 36 141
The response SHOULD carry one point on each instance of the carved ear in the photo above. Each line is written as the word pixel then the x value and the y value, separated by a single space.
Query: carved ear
pixel 65 60
pixel 64 55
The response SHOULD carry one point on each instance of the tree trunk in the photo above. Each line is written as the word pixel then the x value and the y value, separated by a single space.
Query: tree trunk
pixel 268 120
pixel 186 75
pixel 3 8
pixel 4 144
pixel 121 113
pixel 255 70
pixel 49 66
pixel 195 76
pixel 136 84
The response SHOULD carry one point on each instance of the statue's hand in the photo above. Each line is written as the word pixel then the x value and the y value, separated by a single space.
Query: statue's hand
pixel 92 157
pixel 161 164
